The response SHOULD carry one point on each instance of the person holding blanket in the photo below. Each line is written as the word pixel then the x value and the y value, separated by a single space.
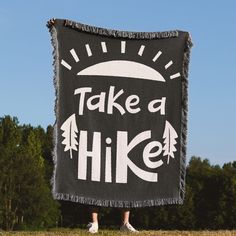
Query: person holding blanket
pixel 121 117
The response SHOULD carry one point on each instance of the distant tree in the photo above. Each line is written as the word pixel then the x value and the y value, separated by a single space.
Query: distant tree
pixel 214 194
pixel 227 199
pixel 47 149
pixel 10 138
pixel 182 217
pixel 43 210
pixel 26 199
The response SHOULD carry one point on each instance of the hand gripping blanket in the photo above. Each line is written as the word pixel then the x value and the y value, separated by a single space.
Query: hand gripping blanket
pixel 121 115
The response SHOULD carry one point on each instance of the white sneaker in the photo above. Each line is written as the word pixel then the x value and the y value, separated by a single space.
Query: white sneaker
pixel 92 228
pixel 127 227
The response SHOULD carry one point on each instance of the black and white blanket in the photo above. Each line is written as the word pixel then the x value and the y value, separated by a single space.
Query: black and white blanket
pixel 121 115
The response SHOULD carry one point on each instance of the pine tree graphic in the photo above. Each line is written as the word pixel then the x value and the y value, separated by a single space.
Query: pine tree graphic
pixel 170 137
pixel 70 134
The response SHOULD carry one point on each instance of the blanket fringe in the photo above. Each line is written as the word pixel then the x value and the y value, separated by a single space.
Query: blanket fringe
pixel 55 54
pixel 51 23
pixel 184 121
pixel 116 203
pixel 120 34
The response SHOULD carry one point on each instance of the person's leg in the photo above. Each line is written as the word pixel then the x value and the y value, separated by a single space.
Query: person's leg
pixel 125 216
pixel 93 226
pixel 125 225
pixel 94 214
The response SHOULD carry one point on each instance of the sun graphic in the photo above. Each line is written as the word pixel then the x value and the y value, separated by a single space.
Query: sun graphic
pixel 121 68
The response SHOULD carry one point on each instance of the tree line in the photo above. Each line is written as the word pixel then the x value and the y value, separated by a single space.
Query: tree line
pixel 26 201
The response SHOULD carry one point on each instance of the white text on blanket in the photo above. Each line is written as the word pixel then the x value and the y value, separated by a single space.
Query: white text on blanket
pixel 123 161
pixel 131 102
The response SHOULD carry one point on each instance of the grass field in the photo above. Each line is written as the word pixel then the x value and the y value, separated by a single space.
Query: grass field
pixel 79 232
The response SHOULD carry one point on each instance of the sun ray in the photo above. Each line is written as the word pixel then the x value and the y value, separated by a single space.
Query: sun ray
pixel 123 44
pixel 157 56
pixel 65 64
pixel 175 76
pixel 89 52
pixel 104 47
pixel 140 52
pixel 168 64
pixel 74 55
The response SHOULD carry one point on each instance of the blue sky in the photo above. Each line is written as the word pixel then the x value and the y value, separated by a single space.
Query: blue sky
pixel 26 88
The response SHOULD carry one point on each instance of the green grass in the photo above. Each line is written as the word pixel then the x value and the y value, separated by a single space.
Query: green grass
pixel 80 232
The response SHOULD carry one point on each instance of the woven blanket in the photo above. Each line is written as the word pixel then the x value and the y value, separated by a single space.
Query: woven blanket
pixel 121 115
